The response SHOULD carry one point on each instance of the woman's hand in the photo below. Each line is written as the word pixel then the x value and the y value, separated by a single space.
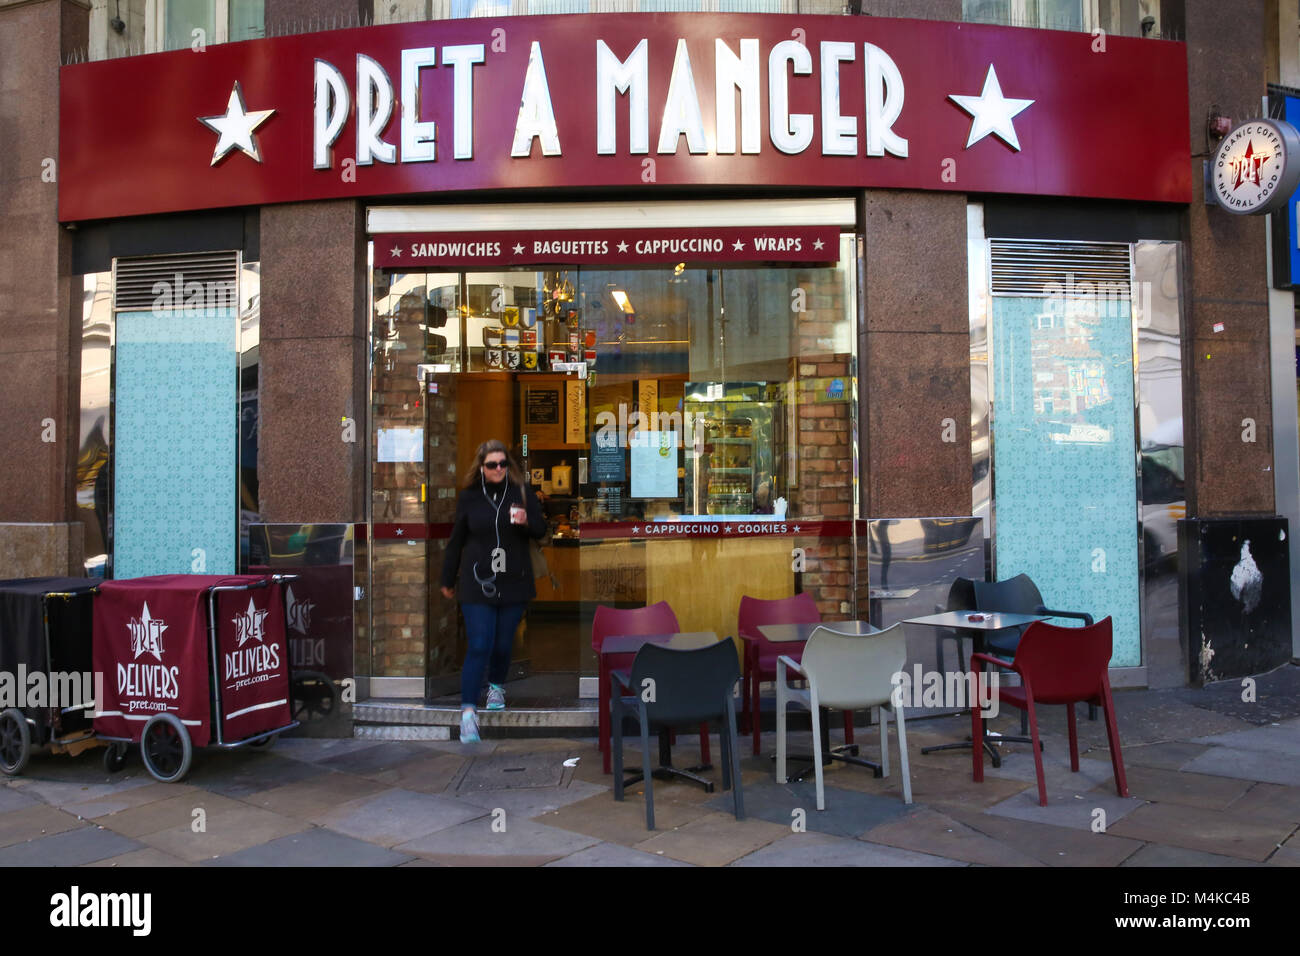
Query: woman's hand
pixel 448 593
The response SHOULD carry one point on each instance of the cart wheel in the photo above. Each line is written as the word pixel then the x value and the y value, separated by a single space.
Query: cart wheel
pixel 313 696
pixel 114 757
pixel 264 743
pixel 166 749
pixel 15 742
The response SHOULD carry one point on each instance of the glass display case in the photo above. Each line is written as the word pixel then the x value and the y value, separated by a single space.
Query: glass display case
pixel 735 427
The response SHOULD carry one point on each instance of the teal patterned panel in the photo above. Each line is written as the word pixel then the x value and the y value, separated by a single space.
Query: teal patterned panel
pixel 174 443
pixel 1065 480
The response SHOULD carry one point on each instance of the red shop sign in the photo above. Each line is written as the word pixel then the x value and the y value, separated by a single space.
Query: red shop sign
pixel 629 101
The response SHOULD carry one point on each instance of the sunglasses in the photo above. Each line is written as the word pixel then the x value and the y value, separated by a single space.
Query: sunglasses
pixel 494 465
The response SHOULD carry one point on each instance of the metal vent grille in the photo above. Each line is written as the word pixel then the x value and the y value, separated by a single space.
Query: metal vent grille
pixel 201 280
pixel 1083 269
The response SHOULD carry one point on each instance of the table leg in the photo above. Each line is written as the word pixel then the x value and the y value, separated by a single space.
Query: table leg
pixel 603 721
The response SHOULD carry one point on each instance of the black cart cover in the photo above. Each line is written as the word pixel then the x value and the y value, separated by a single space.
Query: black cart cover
pixel 22 637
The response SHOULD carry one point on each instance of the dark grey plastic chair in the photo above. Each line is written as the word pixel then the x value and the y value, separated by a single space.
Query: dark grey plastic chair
pixel 671 688
pixel 1018 595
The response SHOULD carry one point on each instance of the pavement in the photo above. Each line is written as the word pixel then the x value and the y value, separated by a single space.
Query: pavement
pixel 1213 780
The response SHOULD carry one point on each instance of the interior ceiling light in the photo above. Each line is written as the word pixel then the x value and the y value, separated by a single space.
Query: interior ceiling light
pixel 623 301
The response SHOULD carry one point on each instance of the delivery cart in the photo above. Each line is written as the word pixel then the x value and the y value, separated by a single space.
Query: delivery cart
pixel 190 661
pixel 47 689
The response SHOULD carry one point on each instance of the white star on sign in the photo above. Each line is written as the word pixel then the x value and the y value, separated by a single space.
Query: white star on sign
pixel 622 247
pixel 519 248
pixel 818 244
pixel 992 112
pixel 636 529
pixel 738 246
pixel 235 128
pixel 400 532
pixel 395 251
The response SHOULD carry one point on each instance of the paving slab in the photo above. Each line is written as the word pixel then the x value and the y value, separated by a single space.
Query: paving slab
pixel 1284 738
pixel 534 802
pixel 477 840
pixel 513 771
pixel 1047 843
pixel 63 791
pixel 931 786
pixel 1066 809
pixel 847 813
pixel 315 847
pixel 428 772
pixel 13 799
pixel 145 857
pixel 715 839
pixel 309 799
pixel 1153 855
pixel 317 749
pixel 375 758
pixel 30 823
pixel 623 822
pixel 929 831
pixel 1018 764
pixel 70 848
pixel 820 849
pixel 227 832
pixel 1269 801
pixel 1168 755
pixel 398 816
pixel 239 774
pixel 1262 765
pixel 128 799
pixel 1155 785
pixel 171 812
pixel 611 854
pixel 1211 831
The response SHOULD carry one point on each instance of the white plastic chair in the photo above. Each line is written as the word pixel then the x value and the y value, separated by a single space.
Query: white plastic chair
pixel 846 673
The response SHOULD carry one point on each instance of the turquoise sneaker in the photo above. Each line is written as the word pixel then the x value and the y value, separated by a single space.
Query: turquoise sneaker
pixel 496 699
pixel 469 726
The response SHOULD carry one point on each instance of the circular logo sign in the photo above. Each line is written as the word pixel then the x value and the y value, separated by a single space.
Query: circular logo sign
pixel 1257 167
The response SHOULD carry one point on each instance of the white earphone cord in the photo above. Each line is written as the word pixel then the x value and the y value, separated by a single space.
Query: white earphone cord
pixel 489 588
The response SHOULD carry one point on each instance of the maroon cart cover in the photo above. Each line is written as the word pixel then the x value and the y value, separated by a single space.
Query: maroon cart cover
pixel 252 661
pixel 151 644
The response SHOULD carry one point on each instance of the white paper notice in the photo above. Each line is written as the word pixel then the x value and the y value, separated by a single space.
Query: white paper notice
pixel 401 444
pixel 654 465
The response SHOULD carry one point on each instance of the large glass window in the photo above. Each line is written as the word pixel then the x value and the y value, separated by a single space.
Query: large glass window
pixel 1046 14
pixel 679 423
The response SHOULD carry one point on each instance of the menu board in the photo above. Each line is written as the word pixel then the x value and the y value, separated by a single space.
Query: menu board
pixel 542 407
pixel 654 465
pixel 607 460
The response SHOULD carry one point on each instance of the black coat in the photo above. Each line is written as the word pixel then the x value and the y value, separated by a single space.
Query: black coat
pixel 473 539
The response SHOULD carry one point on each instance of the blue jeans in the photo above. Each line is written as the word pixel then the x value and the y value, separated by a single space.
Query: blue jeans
pixel 491 632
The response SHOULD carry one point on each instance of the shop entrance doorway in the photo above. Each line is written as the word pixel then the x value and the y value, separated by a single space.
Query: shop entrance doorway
pixel 666 415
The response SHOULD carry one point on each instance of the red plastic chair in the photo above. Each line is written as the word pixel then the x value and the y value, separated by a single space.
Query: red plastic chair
pixel 761 654
pixel 1057 665
pixel 612 622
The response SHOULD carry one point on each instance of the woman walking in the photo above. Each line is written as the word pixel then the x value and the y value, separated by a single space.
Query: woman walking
pixel 497 515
